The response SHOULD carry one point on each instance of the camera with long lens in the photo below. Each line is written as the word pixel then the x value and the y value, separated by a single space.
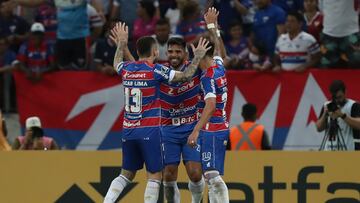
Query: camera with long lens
pixel 333 133
pixel 333 124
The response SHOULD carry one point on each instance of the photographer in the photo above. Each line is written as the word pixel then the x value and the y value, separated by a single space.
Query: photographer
pixel 340 117
pixel 34 138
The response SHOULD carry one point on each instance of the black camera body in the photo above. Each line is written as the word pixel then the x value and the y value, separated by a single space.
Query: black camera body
pixel 332 106
pixel 37 132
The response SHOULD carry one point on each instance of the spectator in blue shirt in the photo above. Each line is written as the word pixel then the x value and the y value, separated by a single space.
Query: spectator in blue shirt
pixel 268 24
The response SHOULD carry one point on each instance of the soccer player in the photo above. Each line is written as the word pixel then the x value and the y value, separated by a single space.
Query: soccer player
pixel 141 141
pixel 179 117
pixel 212 127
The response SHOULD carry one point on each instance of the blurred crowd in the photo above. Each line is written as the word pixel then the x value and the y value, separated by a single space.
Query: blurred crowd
pixel 40 36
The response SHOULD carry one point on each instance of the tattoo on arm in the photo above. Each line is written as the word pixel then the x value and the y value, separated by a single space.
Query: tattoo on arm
pixel 188 73
pixel 119 54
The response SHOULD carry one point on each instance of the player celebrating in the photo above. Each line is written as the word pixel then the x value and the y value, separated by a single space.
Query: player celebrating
pixel 179 117
pixel 141 132
pixel 212 126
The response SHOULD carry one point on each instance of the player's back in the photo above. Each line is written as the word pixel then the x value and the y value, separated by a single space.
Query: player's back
pixel 214 81
pixel 142 107
pixel 179 106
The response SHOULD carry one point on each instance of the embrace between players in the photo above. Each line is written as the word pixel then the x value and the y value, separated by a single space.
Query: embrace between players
pixel 171 112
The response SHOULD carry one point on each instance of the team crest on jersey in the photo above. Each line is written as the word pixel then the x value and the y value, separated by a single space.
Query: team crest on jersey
pixel 163 71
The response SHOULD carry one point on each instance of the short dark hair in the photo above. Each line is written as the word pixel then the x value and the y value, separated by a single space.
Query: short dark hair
pixel 162 21
pixel 149 7
pixel 211 51
pixel 249 111
pixel 337 85
pixel 144 46
pixel 297 15
pixel 177 41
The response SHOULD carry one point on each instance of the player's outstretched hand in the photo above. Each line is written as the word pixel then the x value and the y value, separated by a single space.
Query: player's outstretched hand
pixel 120 33
pixel 211 16
pixel 201 49
pixel 192 139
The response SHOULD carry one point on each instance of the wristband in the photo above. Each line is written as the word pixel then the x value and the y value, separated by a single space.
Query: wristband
pixel 210 26
pixel 218 33
pixel 343 116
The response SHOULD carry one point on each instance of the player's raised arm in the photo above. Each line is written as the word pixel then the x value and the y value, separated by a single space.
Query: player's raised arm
pixel 211 20
pixel 199 53
pixel 119 34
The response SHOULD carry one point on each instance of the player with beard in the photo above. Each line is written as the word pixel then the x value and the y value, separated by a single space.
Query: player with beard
pixel 141 135
pixel 179 117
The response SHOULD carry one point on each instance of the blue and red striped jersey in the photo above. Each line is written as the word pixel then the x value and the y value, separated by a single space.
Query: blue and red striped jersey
pixel 179 105
pixel 36 59
pixel 214 84
pixel 141 82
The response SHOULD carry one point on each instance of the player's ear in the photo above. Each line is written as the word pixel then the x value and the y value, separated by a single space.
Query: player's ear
pixel 155 51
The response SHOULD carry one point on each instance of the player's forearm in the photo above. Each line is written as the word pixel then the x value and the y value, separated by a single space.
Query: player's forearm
pixel 189 72
pixel 205 116
pixel 127 54
pixel 222 49
pixel 119 54
pixel 218 43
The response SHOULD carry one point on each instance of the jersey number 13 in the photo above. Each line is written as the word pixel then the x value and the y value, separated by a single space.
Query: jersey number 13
pixel 133 100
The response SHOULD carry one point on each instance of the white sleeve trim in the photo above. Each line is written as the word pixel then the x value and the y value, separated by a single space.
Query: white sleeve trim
pixel 119 67
pixel 172 75
pixel 218 58
pixel 209 95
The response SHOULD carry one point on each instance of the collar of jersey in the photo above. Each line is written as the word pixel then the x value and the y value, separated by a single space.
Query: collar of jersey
pixel 144 62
